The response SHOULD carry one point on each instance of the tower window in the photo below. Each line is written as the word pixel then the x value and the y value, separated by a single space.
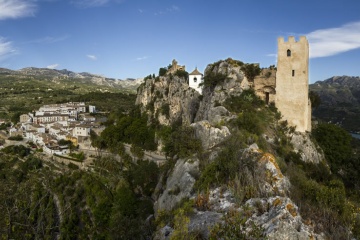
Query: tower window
pixel 288 53
pixel 293 73
pixel 195 79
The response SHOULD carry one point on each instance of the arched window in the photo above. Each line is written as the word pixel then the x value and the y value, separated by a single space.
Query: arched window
pixel 195 79
pixel 288 53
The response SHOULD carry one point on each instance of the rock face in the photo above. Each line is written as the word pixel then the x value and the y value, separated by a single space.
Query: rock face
pixel 210 136
pixel 179 184
pixel 306 148
pixel 280 219
pixel 233 86
pixel 168 99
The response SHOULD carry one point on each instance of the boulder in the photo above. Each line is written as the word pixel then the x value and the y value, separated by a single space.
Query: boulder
pixel 306 148
pixel 280 219
pixel 210 136
pixel 179 184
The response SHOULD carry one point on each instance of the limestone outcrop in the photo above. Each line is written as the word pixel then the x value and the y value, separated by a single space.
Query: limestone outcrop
pixel 168 99
pixel 179 184
pixel 280 219
pixel 233 85
pixel 306 148
pixel 210 136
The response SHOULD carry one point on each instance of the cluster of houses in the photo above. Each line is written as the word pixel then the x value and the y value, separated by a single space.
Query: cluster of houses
pixel 51 123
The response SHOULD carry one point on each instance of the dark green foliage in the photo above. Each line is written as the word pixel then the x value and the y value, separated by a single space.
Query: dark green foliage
pixel 315 99
pixel 165 110
pixel 4 126
pixel 144 176
pixel 251 71
pixel 162 71
pixel 138 152
pixel 182 74
pixel 181 142
pixel 130 129
pixel 336 144
pixel 16 138
pixel 15 118
pixel 17 149
pixel 247 101
pixel 212 79
pixel 231 168
pixel 79 156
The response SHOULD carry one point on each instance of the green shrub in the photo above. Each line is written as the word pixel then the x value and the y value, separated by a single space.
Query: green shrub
pixel 16 138
pixel 137 151
pixel 181 142
pixel 251 71
pixel 182 74
pixel 336 144
pixel 247 101
pixel 212 79
pixel 234 227
pixel 162 71
pixel 165 110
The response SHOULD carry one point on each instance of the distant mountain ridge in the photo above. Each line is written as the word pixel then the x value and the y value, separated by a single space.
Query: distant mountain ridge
pixel 340 96
pixel 84 77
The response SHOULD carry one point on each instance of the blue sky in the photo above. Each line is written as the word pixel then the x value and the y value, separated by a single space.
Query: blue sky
pixel 134 38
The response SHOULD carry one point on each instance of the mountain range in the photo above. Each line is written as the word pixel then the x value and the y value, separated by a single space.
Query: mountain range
pixel 84 77
pixel 340 101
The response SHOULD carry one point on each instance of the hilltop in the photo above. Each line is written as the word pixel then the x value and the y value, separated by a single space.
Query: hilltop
pixel 233 169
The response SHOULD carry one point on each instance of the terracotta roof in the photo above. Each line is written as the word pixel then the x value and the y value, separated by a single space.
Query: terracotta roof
pixel 195 72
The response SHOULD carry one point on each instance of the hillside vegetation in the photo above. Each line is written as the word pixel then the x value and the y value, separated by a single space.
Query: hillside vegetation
pixel 26 94
pixel 340 101
pixel 233 170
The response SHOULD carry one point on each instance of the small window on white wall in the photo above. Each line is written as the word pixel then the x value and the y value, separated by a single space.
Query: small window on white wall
pixel 195 79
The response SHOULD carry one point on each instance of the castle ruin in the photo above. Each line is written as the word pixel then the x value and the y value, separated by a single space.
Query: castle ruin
pixel 288 86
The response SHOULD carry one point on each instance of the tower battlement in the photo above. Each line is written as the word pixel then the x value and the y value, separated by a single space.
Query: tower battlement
pixel 292 39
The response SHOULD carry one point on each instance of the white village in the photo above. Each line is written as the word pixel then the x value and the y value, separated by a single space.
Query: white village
pixel 46 127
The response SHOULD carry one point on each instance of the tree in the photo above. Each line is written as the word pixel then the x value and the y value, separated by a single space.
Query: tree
pixel 336 144
pixel 314 99
pixel 162 72
pixel 251 71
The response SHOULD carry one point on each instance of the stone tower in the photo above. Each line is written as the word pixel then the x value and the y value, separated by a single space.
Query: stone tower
pixel 292 83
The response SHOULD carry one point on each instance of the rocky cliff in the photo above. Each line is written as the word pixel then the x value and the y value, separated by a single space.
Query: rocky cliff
pixel 234 83
pixel 168 99
pixel 242 175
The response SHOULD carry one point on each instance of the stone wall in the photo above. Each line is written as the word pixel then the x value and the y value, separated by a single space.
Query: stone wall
pixel 292 85
pixel 265 85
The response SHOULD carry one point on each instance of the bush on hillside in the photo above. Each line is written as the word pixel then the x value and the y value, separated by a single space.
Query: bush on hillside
pixel 251 71
pixel 336 144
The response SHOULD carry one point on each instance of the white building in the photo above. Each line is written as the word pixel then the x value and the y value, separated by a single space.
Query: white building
pixel 92 109
pixel 81 131
pixel 195 78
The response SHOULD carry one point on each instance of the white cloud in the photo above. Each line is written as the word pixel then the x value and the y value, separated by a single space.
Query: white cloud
pixel 53 66
pixel 89 3
pixel 332 41
pixel 50 39
pixel 92 57
pixel 272 55
pixel 142 58
pixel 16 8
pixel 173 8
pixel 6 49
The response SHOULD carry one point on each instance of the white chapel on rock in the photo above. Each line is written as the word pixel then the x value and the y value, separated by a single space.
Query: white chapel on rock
pixel 195 78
